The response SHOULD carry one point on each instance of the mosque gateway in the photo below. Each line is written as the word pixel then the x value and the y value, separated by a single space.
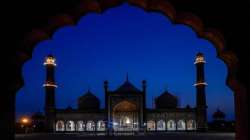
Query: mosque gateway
pixel 125 108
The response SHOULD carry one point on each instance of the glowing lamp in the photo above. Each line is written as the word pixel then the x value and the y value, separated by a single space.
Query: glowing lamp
pixel 201 83
pixel 25 120
pixel 49 85
pixel 50 60
pixel 199 59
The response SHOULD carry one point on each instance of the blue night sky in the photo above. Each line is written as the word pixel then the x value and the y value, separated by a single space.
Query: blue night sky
pixel 124 40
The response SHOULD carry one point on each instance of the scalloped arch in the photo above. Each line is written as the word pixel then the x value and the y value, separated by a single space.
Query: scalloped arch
pixel 160 6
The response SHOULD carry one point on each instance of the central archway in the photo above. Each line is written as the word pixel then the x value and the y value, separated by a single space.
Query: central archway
pixel 125 116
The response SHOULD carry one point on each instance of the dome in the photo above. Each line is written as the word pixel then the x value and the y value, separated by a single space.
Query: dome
pixel 127 87
pixel 219 115
pixel 88 102
pixel 166 100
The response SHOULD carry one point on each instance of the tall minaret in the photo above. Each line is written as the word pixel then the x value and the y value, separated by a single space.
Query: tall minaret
pixel 144 88
pixel 50 86
pixel 200 85
pixel 106 94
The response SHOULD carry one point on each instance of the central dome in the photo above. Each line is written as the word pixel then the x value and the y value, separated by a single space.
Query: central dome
pixel 88 102
pixel 166 100
pixel 127 87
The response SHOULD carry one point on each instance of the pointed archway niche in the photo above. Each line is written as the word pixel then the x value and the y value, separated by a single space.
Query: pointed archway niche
pixel 159 6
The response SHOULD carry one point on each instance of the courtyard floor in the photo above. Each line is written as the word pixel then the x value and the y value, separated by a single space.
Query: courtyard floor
pixel 161 136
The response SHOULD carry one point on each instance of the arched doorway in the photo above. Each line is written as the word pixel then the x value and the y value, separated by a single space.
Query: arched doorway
pixel 125 116
pixel 101 125
pixel 191 125
pixel 181 125
pixel 60 126
pixel 161 125
pixel 171 125
pixel 80 126
pixel 70 125
pixel 90 126
pixel 151 125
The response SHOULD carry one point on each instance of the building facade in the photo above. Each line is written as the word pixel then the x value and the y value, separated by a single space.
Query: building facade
pixel 125 108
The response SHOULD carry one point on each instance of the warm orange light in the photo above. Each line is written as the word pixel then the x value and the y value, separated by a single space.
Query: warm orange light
pixel 25 120
pixel 49 85
pixel 200 83
pixel 50 61
pixel 199 59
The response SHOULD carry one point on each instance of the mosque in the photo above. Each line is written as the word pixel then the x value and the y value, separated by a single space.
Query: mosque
pixel 125 108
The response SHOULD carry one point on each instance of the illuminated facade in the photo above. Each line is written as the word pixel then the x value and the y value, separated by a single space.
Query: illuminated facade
pixel 125 109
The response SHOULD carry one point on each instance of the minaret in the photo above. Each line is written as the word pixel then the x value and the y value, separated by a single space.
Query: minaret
pixel 201 105
pixel 106 104
pixel 144 88
pixel 106 93
pixel 50 86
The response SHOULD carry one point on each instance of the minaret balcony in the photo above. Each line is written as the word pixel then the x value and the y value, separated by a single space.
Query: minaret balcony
pixel 50 85
pixel 199 59
pixel 50 61
pixel 200 83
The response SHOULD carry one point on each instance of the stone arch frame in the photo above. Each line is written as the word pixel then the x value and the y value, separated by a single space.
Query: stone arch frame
pixel 161 6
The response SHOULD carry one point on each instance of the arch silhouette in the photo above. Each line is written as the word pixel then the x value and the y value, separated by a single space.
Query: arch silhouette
pixel 160 6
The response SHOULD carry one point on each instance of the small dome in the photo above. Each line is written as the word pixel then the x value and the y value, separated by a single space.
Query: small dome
pixel 166 100
pixel 219 115
pixel 88 102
